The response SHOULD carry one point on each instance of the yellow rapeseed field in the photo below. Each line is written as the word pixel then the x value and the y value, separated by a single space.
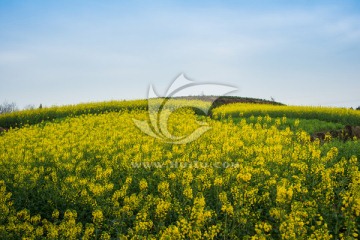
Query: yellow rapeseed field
pixel 344 115
pixel 97 176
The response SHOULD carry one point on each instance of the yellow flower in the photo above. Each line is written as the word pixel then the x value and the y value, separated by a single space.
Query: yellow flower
pixel 97 217
pixel 162 209
pixel 163 188
pixel 143 185
pixel 188 192
pixel 246 177
pixel 218 181
pixel 171 232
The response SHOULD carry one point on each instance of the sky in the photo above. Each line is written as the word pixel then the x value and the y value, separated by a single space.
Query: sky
pixel 67 52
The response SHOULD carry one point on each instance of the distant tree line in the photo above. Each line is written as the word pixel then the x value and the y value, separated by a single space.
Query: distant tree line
pixel 7 107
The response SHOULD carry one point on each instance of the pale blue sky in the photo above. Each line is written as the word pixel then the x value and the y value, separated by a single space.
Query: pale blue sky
pixel 66 52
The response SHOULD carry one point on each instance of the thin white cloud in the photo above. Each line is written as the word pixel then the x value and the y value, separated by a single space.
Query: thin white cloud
pixel 8 57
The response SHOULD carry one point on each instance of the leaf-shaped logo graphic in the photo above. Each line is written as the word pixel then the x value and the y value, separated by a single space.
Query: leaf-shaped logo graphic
pixel 159 112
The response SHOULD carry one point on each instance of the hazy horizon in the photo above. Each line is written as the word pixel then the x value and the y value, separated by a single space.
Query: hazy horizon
pixel 64 52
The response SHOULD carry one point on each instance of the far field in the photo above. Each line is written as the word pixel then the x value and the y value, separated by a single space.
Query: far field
pixel 88 172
